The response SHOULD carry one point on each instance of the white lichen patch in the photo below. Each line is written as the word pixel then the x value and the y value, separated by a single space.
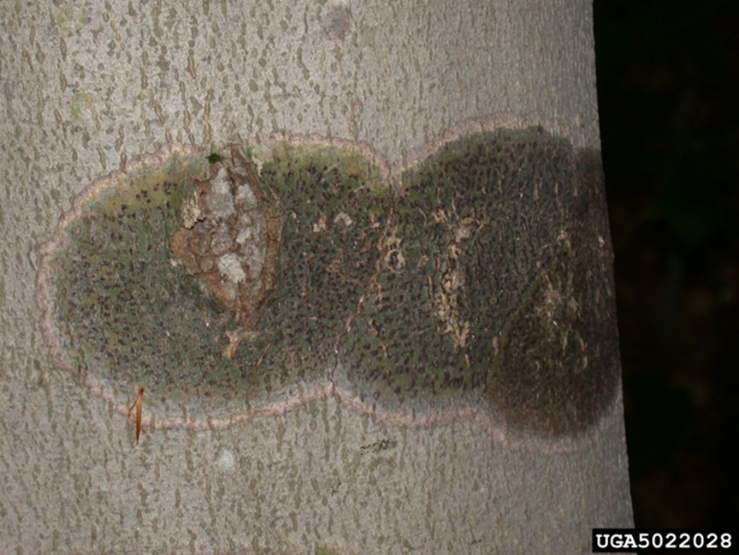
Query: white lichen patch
pixel 231 267
pixel 220 199
pixel 245 196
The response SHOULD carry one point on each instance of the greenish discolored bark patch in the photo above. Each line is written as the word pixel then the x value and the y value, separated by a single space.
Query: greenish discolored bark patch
pixel 502 300
pixel 476 285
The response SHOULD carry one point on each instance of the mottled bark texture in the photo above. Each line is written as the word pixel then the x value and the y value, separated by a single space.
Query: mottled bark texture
pixel 356 254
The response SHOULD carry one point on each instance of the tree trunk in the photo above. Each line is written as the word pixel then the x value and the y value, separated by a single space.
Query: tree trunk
pixel 410 345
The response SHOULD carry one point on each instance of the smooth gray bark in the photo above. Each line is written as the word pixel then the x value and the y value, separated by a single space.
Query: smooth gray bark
pixel 87 86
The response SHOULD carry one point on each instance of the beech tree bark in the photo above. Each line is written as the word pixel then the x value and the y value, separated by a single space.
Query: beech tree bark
pixel 524 453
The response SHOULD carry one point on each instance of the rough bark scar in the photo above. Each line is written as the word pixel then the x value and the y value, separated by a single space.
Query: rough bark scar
pixel 229 242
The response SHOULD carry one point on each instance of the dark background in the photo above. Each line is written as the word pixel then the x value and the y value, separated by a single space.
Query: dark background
pixel 668 72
